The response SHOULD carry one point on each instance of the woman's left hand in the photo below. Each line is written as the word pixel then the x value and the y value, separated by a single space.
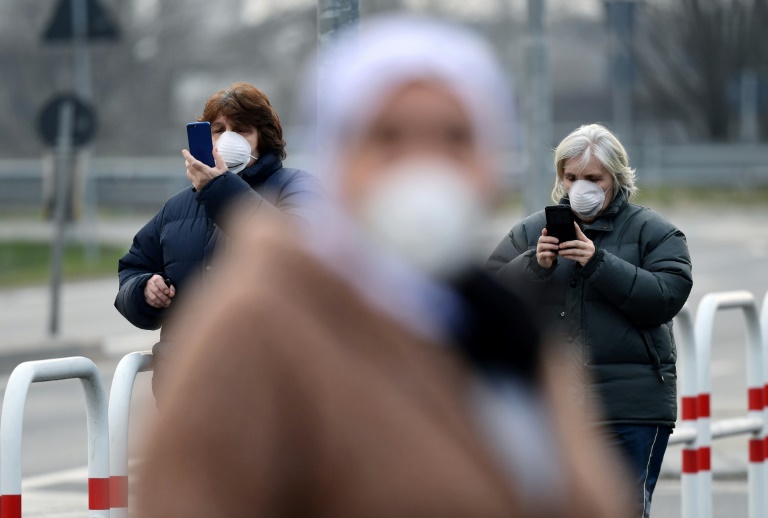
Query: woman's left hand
pixel 580 250
pixel 200 174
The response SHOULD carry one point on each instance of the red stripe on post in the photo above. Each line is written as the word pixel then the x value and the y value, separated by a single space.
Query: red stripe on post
pixel 755 396
pixel 705 458
pixel 756 453
pixel 10 506
pixel 703 405
pixel 98 494
pixel 690 461
pixel 118 491
pixel 689 408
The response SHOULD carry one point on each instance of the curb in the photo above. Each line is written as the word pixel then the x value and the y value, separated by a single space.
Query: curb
pixel 89 348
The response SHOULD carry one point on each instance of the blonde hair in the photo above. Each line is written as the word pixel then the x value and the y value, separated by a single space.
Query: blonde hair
pixel 594 140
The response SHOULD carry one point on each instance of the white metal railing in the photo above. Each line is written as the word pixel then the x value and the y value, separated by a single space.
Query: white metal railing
pixel 119 413
pixel 11 421
pixel 697 430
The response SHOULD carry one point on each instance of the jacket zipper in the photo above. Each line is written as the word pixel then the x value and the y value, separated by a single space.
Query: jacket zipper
pixel 655 362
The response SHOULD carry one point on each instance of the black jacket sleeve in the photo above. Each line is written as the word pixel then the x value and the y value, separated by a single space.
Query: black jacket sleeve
pixel 143 260
pixel 653 293
pixel 513 263
pixel 298 197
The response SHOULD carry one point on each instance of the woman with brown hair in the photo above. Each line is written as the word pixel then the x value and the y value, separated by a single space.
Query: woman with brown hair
pixel 178 244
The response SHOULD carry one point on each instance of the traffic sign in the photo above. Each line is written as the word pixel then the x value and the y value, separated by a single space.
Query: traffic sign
pixel 83 129
pixel 99 23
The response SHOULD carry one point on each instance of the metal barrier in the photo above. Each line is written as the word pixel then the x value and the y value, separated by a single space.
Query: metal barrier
pixel 764 329
pixel 696 388
pixel 119 412
pixel 687 432
pixel 11 421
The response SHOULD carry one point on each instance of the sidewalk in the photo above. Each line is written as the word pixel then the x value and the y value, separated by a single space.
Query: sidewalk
pixel 88 320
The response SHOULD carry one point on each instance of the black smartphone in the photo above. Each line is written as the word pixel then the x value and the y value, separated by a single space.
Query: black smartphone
pixel 200 142
pixel 560 221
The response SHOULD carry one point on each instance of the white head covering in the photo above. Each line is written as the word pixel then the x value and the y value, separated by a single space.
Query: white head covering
pixel 357 74
pixel 360 71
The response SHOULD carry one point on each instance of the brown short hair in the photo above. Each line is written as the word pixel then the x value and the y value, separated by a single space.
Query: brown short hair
pixel 246 105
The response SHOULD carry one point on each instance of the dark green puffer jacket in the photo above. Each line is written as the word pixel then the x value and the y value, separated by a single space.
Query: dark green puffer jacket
pixel 615 313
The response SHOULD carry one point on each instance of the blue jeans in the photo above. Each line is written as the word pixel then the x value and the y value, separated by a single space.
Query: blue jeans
pixel 642 447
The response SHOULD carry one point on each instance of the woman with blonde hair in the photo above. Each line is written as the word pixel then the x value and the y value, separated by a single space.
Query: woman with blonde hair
pixel 610 294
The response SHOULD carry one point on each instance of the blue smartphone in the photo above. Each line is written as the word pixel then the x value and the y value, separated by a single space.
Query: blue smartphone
pixel 200 142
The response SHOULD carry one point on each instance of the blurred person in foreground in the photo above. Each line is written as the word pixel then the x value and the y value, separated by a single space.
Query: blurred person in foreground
pixel 369 369
pixel 612 294
pixel 178 245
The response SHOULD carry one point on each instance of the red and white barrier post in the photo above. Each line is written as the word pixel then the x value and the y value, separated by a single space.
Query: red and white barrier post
pixel 11 421
pixel 687 432
pixel 119 413
pixel 705 316
pixel 764 328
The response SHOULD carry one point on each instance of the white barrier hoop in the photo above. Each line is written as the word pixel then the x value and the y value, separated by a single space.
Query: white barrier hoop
pixel 764 383
pixel 119 413
pixel 11 421
pixel 753 423
pixel 687 432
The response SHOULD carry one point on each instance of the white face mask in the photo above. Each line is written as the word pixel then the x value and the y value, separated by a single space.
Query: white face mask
pixel 428 214
pixel 235 150
pixel 586 198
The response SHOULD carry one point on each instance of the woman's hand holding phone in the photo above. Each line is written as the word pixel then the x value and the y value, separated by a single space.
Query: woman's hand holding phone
pixel 546 250
pixel 580 250
pixel 200 174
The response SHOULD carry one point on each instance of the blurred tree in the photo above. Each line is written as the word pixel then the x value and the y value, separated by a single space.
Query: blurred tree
pixel 692 55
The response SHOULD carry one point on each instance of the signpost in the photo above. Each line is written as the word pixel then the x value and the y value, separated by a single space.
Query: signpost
pixel 68 121
pixel 620 15
pixel 83 126
pixel 333 17
pixel 63 173
pixel 537 112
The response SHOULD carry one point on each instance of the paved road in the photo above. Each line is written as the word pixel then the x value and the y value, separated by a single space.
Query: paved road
pixel 730 251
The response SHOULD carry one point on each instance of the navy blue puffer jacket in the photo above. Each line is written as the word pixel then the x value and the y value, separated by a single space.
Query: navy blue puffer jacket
pixel 180 241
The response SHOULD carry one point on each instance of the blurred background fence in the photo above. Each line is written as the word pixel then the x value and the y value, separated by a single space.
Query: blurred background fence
pixel 143 184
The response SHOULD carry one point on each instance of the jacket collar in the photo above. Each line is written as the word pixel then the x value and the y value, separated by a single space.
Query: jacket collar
pixel 262 169
pixel 604 222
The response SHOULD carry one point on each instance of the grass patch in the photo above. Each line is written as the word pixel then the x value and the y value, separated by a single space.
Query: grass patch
pixel 24 263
